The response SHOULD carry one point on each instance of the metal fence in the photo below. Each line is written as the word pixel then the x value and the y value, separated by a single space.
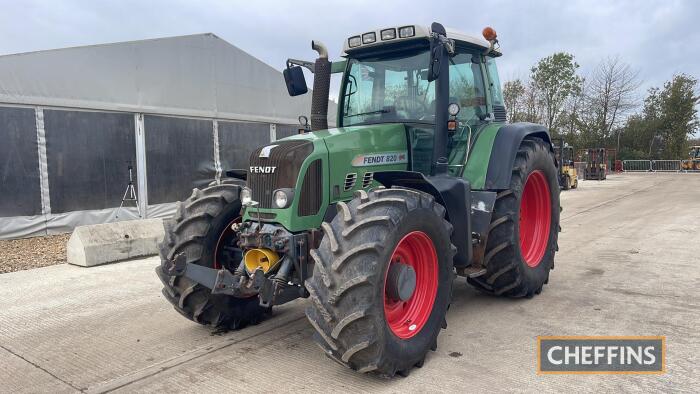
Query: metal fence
pixel 636 165
pixel 666 165
pixel 651 165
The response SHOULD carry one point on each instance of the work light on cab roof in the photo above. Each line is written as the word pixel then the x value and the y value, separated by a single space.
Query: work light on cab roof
pixel 412 32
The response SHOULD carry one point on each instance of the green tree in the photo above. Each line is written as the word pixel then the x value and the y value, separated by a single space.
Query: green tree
pixel 513 97
pixel 555 80
pixel 668 120
pixel 680 121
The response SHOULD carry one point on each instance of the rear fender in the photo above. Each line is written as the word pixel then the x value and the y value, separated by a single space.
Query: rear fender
pixel 505 148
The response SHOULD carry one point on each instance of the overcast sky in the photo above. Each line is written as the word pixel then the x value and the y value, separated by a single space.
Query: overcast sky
pixel 659 38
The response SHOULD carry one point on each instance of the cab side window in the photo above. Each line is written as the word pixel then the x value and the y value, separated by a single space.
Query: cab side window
pixel 467 87
pixel 499 108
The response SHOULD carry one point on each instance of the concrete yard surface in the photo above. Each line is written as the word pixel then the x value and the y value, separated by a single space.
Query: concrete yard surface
pixel 628 264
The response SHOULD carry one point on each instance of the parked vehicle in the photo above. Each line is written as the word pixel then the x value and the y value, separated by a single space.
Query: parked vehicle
pixel 564 153
pixel 421 180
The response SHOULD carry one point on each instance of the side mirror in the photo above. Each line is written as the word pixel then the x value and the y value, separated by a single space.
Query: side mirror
pixel 294 78
pixel 436 50
pixel 434 68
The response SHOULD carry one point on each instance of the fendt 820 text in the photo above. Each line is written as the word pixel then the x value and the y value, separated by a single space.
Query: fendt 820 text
pixel 422 180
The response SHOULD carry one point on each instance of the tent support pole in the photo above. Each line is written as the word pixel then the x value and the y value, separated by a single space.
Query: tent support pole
pixel 141 173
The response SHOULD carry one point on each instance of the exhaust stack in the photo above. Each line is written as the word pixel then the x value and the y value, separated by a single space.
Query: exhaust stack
pixel 322 83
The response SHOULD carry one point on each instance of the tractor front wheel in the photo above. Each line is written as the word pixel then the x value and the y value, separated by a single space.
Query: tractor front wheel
pixel 382 281
pixel 524 226
pixel 201 230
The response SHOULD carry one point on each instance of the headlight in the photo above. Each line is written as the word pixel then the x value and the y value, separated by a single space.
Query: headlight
pixel 246 196
pixel 388 34
pixel 354 42
pixel 453 109
pixel 407 31
pixel 369 38
pixel 281 199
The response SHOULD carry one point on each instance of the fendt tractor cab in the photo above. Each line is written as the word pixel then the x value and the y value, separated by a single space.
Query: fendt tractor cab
pixel 421 179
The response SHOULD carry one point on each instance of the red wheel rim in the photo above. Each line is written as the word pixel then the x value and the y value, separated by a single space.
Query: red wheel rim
pixel 228 231
pixel 535 218
pixel 407 318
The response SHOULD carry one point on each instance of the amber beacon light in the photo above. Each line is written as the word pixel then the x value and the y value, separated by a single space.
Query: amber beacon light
pixel 489 33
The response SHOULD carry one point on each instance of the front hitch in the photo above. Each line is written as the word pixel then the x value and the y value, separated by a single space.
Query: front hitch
pixel 219 281
pixel 270 291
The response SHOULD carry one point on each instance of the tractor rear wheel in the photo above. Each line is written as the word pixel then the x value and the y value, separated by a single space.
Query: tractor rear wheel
pixel 524 226
pixel 201 229
pixel 382 281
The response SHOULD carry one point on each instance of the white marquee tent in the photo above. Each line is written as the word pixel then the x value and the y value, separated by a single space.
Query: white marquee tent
pixel 179 110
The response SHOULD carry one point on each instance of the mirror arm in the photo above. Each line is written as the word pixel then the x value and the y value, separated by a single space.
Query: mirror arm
pixel 303 63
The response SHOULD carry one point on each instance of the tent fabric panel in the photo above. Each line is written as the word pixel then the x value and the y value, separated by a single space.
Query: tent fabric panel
pixel 179 157
pixel 19 163
pixel 88 155
pixel 238 139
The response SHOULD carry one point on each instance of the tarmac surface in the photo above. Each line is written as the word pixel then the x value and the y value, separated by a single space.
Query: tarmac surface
pixel 628 264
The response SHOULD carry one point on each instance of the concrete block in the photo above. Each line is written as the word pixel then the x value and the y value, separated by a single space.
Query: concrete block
pixel 106 243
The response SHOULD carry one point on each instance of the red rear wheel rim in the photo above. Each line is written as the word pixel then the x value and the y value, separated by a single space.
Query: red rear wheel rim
pixel 535 218
pixel 407 318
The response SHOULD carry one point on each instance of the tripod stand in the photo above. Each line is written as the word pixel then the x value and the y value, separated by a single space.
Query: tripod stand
pixel 130 193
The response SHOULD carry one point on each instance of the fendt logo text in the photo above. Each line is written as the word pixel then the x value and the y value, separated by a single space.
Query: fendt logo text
pixel 262 169
pixel 601 355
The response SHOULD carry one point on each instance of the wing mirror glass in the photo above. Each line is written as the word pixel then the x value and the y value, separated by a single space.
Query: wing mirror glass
pixel 294 78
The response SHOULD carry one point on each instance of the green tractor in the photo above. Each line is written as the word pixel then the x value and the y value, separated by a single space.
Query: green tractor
pixel 422 180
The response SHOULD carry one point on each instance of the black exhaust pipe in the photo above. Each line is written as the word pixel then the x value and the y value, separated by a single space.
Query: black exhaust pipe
pixel 322 84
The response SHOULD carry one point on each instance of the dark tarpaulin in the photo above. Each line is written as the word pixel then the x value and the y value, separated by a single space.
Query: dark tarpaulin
pixel 237 140
pixel 179 157
pixel 88 155
pixel 20 186
pixel 285 130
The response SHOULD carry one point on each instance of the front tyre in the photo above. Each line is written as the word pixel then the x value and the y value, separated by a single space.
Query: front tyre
pixel 382 281
pixel 201 230
pixel 524 226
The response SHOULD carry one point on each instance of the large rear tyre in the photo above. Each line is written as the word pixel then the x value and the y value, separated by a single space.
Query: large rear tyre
pixel 382 281
pixel 524 226
pixel 201 229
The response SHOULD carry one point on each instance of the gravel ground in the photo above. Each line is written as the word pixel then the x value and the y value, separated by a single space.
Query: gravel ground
pixel 24 254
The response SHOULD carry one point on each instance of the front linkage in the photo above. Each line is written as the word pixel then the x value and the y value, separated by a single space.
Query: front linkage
pixel 250 280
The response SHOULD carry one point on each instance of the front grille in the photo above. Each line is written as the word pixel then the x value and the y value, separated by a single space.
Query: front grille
pixel 311 190
pixel 287 158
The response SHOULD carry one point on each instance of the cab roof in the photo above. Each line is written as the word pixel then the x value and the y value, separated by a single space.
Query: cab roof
pixel 420 32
